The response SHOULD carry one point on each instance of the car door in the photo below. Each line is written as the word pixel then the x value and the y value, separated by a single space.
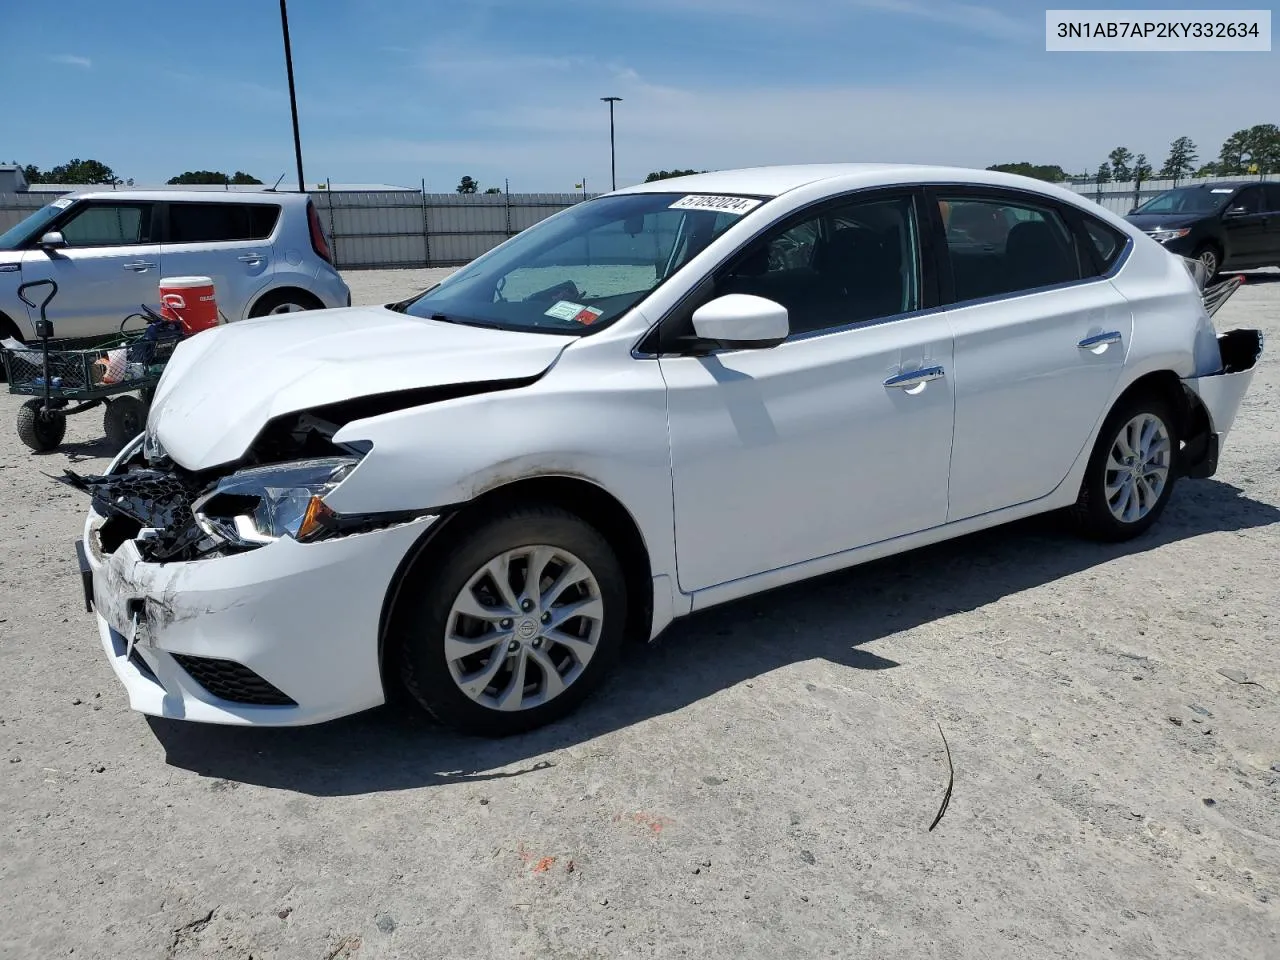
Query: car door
pixel 1271 199
pixel 109 267
pixel 1040 341
pixel 1244 222
pixel 226 241
pixel 839 436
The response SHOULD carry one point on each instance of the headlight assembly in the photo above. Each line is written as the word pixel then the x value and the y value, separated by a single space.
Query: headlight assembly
pixel 262 504
pixel 1163 235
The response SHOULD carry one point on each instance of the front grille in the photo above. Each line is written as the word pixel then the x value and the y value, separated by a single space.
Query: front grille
pixel 232 681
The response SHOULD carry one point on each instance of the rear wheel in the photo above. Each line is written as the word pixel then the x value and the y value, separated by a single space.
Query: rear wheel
pixel 513 624
pixel 285 301
pixel 39 430
pixel 124 418
pixel 1131 472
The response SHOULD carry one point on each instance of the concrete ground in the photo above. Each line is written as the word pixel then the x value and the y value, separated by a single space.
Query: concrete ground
pixel 759 783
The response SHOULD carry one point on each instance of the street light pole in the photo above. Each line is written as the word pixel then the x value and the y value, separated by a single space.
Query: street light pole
pixel 613 163
pixel 293 99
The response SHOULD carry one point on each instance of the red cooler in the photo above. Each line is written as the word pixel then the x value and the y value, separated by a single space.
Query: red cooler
pixel 190 301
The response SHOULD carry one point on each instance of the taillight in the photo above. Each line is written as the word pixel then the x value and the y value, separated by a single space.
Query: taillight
pixel 318 243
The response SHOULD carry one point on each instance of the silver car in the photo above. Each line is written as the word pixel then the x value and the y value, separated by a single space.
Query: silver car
pixel 108 250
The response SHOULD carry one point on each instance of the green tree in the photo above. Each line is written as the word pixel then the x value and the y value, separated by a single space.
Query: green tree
pixel 1231 156
pixel 468 185
pixel 668 174
pixel 494 190
pixel 212 176
pixel 76 171
pixel 1209 169
pixel 1103 174
pixel 1182 159
pixel 1262 149
pixel 1119 159
pixel 1141 168
pixel 1040 171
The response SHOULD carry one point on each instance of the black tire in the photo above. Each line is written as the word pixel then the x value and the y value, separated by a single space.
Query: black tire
pixel 124 418
pixel 278 300
pixel 419 624
pixel 1092 512
pixel 1211 257
pixel 39 430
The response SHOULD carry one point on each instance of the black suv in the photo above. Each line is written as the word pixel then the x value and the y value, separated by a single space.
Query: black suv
pixel 1233 226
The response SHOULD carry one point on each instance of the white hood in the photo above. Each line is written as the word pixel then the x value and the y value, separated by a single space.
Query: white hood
pixel 223 385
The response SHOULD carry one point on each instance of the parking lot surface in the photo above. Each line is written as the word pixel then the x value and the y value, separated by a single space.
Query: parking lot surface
pixel 759 783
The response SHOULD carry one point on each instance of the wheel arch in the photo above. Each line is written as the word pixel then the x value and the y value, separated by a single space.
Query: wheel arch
pixel 290 289
pixel 1191 418
pixel 9 328
pixel 581 497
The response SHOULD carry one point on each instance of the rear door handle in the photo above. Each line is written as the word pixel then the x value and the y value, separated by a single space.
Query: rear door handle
pixel 914 378
pixel 250 258
pixel 139 266
pixel 1100 340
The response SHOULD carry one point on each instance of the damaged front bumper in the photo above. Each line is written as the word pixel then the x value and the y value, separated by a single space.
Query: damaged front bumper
pixel 1219 396
pixel 283 635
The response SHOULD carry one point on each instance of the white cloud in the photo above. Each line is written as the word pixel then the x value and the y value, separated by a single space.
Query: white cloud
pixel 70 59
pixel 533 121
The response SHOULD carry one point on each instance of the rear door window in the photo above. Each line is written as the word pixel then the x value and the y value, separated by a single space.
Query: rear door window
pixel 221 222
pixel 1271 193
pixel 108 225
pixel 1000 246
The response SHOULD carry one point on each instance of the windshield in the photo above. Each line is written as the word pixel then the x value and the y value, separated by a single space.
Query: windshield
pixel 1188 200
pixel 582 269
pixel 17 234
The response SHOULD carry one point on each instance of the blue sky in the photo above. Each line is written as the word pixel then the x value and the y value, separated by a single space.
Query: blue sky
pixel 395 90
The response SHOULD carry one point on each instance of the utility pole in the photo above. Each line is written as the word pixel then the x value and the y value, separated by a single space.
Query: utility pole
pixel 293 98
pixel 613 163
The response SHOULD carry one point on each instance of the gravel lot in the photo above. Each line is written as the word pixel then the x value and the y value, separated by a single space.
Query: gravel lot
pixel 760 783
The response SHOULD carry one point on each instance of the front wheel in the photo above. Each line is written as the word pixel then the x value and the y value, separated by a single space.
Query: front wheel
pixel 1131 472
pixel 1208 255
pixel 513 624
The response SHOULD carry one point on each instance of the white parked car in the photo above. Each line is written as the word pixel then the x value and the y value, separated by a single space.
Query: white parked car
pixel 108 250
pixel 656 401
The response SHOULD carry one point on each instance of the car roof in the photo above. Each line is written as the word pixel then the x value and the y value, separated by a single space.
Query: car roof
pixel 774 181
pixel 204 196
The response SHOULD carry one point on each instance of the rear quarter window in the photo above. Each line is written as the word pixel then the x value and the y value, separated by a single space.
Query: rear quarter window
pixel 1105 243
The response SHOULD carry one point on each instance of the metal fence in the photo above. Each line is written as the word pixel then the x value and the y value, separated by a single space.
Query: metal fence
pixel 1123 196
pixel 402 228
pixel 411 228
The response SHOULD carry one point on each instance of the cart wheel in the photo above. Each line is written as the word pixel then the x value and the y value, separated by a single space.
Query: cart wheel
pixel 40 430
pixel 124 419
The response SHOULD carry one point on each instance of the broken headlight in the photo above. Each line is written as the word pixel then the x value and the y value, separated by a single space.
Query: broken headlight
pixel 262 504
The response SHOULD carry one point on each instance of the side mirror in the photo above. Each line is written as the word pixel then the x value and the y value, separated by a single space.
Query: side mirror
pixel 53 240
pixel 1132 211
pixel 741 321
pixel 1236 212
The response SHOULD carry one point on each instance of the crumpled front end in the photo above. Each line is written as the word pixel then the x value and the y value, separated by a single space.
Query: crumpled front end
pixel 1218 397
pixel 237 597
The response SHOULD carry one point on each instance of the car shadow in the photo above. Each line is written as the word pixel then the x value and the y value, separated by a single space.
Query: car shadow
pixel 79 452
pixel 832 617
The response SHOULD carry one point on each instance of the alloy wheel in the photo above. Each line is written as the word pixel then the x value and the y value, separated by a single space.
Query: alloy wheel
pixel 523 628
pixel 1137 468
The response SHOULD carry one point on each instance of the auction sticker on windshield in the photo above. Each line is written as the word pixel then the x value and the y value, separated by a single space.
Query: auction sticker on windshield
pixel 734 205
pixel 62 204
pixel 568 310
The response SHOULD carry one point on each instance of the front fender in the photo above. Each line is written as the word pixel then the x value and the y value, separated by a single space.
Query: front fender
pixel 608 427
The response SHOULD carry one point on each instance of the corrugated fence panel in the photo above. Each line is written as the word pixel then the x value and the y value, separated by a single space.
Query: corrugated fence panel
pixel 404 228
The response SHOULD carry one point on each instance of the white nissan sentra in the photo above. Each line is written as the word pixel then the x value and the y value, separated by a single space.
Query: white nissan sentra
pixel 659 400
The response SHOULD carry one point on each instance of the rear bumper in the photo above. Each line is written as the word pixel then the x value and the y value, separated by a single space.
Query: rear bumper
pixel 1220 395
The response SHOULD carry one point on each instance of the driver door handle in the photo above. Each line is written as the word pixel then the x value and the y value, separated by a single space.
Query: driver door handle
pixel 139 266
pixel 914 378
